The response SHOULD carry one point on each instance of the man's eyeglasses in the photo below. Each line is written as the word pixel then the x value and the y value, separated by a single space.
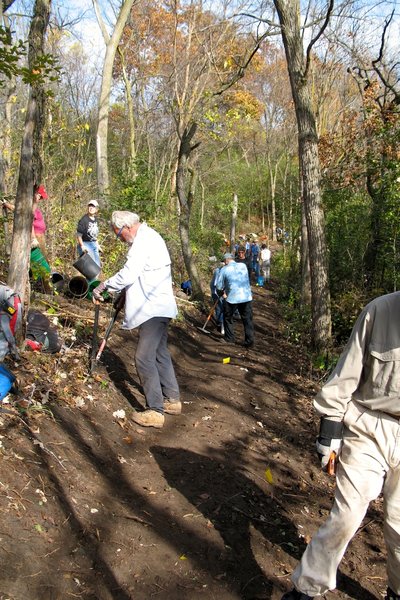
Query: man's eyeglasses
pixel 120 231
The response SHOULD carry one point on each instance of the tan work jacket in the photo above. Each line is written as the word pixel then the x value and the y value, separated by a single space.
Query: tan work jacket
pixel 368 370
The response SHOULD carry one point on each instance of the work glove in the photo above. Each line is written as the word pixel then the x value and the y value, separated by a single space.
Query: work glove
pixel 329 439
pixel 97 292
pixel 119 301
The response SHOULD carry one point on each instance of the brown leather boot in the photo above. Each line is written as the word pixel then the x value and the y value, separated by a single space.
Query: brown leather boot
pixel 149 418
pixel 172 407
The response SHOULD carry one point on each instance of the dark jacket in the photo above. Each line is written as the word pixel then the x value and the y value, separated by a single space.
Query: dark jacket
pixel 247 261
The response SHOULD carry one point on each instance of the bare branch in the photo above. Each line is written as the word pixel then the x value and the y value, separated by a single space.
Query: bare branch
pixel 316 38
pixel 242 68
pixel 383 39
pixel 379 59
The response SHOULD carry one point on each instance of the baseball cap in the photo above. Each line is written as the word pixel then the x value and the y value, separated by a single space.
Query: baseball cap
pixel 228 255
pixel 42 191
pixel 93 203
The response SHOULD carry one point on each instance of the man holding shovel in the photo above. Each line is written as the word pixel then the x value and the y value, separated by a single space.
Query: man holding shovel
pixel 149 305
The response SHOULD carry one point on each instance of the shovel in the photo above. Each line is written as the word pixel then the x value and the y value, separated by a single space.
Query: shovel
pixel 93 351
pixel 203 329
pixel 118 306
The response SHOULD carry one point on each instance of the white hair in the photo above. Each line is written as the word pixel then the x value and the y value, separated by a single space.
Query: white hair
pixel 124 218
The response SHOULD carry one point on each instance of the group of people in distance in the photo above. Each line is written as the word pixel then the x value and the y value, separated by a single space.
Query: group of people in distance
pixel 257 259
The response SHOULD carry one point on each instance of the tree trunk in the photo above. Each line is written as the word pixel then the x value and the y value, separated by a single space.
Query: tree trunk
pixel 305 262
pixel 185 203
pixel 289 17
pixel 233 221
pixel 6 148
pixel 273 173
pixel 105 91
pixel 30 162
pixel 131 118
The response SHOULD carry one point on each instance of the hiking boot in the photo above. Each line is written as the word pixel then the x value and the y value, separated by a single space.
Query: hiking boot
pixel 172 407
pixel 390 595
pixel 295 595
pixel 148 418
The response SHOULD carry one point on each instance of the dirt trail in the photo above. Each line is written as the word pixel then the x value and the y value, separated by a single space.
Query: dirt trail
pixel 217 505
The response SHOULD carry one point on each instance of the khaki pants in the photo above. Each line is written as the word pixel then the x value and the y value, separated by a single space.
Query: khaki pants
pixel 369 461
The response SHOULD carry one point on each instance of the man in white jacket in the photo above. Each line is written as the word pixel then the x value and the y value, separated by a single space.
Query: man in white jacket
pixel 149 305
pixel 360 422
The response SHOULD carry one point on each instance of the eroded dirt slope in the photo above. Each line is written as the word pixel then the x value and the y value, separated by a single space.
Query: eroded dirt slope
pixel 217 505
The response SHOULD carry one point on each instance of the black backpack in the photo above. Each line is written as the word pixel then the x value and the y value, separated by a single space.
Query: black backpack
pixel 39 329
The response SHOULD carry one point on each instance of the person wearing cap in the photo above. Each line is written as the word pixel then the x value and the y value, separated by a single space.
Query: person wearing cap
pixel 38 223
pixel 233 284
pixel 87 232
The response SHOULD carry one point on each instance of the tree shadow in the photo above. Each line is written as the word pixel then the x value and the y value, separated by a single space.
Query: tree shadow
pixel 235 506
pixel 121 378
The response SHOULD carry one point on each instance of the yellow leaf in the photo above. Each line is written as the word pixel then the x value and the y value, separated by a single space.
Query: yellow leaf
pixel 268 476
pixel 183 557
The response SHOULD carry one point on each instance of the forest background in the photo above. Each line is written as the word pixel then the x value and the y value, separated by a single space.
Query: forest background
pixel 210 120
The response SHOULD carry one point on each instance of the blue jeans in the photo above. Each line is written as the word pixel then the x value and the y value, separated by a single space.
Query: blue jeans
pixel 154 365
pixel 256 266
pixel 93 251
pixel 219 309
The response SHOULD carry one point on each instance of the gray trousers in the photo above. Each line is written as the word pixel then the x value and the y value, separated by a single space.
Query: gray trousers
pixel 154 365
pixel 369 462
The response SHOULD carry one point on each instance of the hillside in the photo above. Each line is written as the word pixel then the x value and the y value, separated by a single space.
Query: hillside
pixel 217 504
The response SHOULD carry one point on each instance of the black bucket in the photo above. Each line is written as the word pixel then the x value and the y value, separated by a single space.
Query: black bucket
pixel 57 281
pixel 87 266
pixel 78 287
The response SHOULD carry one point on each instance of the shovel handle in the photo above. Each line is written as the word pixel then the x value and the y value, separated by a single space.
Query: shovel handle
pixel 331 467
pixel 100 351
pixel 108 331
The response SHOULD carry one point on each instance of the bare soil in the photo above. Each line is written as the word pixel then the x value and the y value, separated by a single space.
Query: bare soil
pixel 218 504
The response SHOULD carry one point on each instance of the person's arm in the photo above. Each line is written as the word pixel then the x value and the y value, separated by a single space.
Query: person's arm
pixel 220 283
pixel 333 398
pixel 80 241
pixel 8 205
pixel 80 230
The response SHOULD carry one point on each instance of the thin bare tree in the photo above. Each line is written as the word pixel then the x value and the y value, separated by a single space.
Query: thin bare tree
pixel 30 169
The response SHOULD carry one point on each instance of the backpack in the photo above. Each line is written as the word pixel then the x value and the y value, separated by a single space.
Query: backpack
pixel 10 319
pixel 39 329
pixel 186 287
pixel 7 380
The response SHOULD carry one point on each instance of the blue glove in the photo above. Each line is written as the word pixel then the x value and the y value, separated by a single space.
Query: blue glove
pixel 97 292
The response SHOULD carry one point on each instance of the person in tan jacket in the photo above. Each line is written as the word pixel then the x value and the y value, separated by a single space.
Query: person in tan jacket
pixel 360 425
